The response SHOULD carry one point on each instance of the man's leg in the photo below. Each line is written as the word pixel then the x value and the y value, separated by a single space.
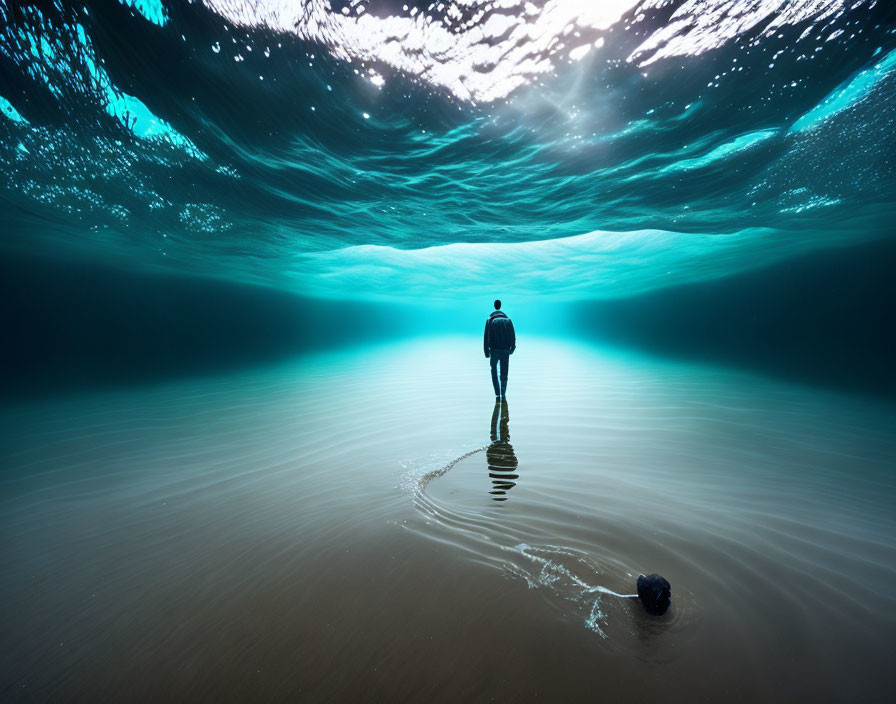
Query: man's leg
pixel 493 360
pixel 505 361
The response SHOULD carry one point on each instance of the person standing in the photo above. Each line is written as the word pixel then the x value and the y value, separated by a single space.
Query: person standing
pixel 499 343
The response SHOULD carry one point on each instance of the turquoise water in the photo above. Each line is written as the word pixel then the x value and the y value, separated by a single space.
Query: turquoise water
pixel 566 150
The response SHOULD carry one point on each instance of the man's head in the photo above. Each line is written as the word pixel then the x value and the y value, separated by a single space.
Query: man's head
pixel 497 305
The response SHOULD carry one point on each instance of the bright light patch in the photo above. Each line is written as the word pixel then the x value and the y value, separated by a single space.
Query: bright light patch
pixel 599 264
pixel 580 52
pixel 698 26
pixel 153 10
pixel 138 118
pixel 507 44
pixel 723 151
pixel 10 112
pixel 847 94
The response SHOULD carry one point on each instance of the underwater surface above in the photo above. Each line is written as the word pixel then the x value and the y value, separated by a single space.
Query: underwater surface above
pixel 368 150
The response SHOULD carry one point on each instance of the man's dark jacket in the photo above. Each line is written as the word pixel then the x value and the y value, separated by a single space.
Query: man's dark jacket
pixel 499 334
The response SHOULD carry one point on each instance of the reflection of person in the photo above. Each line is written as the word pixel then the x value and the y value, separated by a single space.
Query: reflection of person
pixel 499 343
pixel 502 462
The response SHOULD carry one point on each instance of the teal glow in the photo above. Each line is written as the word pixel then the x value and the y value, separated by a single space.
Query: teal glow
pixel 52 62
pixel 138 118
pixel 594 265
pixel 10 112
pixel 153 10
pixel 723 151
pixel 130 111
pixel 847 94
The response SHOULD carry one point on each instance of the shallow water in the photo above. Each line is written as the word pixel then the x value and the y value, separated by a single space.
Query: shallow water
pixel 279 534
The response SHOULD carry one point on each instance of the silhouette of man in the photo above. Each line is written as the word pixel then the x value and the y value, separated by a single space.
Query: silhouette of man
pixel 499 343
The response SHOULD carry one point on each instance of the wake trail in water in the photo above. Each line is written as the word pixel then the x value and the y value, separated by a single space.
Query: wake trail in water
pixel 563 571
pixel 440 471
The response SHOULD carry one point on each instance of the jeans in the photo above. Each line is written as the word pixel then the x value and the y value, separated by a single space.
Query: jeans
pixel 502 356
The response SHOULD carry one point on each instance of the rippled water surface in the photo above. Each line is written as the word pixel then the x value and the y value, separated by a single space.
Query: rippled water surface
pixel 308 532
pixel 372 149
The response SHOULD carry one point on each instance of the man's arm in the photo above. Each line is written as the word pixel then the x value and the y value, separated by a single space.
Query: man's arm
pixel 512 337
pixel 485 338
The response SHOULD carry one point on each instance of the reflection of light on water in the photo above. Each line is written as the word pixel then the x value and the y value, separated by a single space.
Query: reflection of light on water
pixel 481 51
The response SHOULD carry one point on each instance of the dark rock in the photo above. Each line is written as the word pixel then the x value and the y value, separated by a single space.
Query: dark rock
pixel 655 593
